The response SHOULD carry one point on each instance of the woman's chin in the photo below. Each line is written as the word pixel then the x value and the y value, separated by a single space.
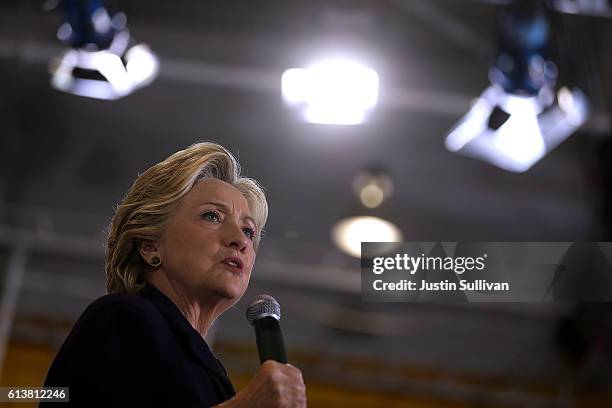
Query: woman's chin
pixel 232 293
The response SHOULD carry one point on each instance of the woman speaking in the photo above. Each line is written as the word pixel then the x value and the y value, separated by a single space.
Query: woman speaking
pixel 180 252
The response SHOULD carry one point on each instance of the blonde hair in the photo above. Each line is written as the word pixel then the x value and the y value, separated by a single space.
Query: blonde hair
pixel 149 204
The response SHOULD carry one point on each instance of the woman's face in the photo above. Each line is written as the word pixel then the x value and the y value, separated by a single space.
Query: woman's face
pixel 207 248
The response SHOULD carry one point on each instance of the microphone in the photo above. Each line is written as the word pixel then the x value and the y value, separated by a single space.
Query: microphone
pixel 264 313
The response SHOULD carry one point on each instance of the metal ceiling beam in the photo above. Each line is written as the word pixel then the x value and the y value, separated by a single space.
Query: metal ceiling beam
pixel 454 29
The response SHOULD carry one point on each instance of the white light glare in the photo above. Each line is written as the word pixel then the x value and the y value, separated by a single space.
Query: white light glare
pixel 587 7
pixel 525 137
pixel 119 79
pixel 339 92
pixel 142 65
pixel 349 233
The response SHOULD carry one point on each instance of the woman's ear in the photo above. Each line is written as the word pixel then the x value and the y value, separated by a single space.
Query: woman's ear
pixel 148 251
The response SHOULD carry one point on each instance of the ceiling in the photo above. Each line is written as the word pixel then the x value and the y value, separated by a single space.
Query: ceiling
pixel 219 81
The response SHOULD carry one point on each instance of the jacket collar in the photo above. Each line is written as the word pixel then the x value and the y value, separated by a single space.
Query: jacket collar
pixel 188 336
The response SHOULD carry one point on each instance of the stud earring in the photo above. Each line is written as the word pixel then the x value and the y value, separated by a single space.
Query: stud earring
pixel 155 261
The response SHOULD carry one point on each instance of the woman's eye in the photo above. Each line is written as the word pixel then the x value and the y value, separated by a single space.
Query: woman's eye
pixel 249 232
pixel 211 216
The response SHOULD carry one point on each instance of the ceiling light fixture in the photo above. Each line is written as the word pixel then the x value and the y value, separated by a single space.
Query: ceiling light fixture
pixel 337 92
pixel 373 186
pixel 349 233
pixel 102 60
pixel 520 118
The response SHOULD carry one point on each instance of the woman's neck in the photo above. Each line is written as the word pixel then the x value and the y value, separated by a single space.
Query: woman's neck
pixel 201 316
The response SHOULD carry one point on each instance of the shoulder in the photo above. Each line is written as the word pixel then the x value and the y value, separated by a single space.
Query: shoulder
pixel 126 305
pixel 118 330
pixel 113 347
pixel 133 319
pixel 117 310
pixel 119 321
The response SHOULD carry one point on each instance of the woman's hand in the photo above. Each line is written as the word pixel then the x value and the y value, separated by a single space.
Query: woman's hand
pixel 275 385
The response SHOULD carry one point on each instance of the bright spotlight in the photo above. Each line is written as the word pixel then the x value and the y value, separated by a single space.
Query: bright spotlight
pixel 338 92
pixel 102 60
pixel 349 233
pixel 519 119
pixel 515 132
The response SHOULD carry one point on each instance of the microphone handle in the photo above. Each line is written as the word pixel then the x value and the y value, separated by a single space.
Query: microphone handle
pixel 270 344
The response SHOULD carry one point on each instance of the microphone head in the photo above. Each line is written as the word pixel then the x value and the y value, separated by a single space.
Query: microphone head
pixel 263 306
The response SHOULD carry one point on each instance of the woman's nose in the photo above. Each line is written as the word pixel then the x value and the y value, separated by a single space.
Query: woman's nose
pixel 235 237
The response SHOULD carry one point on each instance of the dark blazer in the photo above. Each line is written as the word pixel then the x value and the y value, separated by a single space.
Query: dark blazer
pixel 139 350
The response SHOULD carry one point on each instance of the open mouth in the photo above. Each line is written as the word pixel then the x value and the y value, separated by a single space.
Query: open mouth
pixel 233 262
